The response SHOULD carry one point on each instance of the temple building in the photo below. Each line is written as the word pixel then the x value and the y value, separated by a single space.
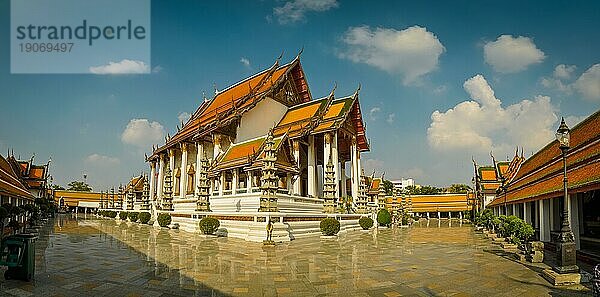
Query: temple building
pixel 76 201
pixel 263 145
pixel 22 181
pixel 535 192
pixel 488 179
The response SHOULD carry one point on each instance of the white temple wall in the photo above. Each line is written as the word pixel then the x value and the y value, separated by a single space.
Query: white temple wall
pixel 257 121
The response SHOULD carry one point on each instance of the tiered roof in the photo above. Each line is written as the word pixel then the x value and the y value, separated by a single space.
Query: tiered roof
pixel 490 178
pixel 230 103
pixel 540 176
pixel 249 153
pixel 136 182
pixel 11 183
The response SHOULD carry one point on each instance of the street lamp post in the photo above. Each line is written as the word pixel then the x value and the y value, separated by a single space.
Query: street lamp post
pixel 566 259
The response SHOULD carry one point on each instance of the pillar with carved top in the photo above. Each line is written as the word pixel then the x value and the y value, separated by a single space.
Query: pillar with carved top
pixel 183 178
pixel 312 181
pixel 152 179
pixel 297 186
pixel 199 156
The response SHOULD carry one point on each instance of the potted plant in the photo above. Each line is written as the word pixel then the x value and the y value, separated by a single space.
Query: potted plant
pixel 329 226
pixel 164 219
pixel 366 223
pixel 209 225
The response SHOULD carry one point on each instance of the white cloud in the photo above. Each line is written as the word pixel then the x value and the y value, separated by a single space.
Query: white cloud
pixel 559 80
pixel 588 84
pixel 509 54
pixel 390 118
pixel 245 61
pixel 370 165
pixel 572 121
pixel 483 125
pixel 294 11
pixel 563 71
pixel 101 160
pixel 411 53
pixel 373 112
pixel 143 133
pixel 183 117
pixel 123 67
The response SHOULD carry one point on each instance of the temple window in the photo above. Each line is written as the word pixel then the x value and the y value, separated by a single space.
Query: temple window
pixel 255 178
pixel 242 179
pixel 228 180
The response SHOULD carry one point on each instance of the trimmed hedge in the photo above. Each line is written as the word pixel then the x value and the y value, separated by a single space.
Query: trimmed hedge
pixel 512 227
pixel 123 215
pixel 164 219
pixel 384 218
pixel 209 225
pixel 133 216
pixel 366 223
pixel 144 217
pixel 112 214
pixel 330 226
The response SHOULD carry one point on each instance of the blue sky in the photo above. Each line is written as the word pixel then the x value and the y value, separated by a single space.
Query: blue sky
pixel 499 74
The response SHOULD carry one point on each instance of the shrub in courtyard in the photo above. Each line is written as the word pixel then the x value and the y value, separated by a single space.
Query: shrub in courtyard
pixel 209 225
pixel 164 219
pixel 365 222
pixel 384 218
pixel 144 217
pixel 133 216
pixel 123 215
pixel 330 226
pixel 112 214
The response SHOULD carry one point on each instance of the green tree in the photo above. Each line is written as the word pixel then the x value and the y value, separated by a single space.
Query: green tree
pixel 423 190
pixel 79 186
pixel 57 187
pixel 458 188
pixel 388 187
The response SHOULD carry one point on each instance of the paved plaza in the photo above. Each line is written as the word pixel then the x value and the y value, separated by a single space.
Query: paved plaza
pixel 98 257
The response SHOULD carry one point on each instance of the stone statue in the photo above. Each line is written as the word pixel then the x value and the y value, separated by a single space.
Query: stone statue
pixel 269 230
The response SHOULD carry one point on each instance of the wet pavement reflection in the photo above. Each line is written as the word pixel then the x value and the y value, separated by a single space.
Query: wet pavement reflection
pixel 87 256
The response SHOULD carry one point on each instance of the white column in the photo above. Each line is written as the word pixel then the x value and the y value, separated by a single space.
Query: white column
pixel 335 160
pixel 216 146
pixel 199 156
pixel 161 176
pixel 152 180
pixel 183 178
pixel 312 181
pixel 297 187
pixel 343 179
pixel 354 169
pixel 221 182
pixel 544 219
pixel 234 181
pixel 574 217
pixel 449 215
pixel 249 180
pixel 514 210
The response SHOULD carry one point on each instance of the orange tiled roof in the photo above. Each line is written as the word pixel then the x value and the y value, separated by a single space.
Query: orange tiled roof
pixel 540 176
pixel 10 183
pixel 238 98
pixel 488 174
pixel 443 202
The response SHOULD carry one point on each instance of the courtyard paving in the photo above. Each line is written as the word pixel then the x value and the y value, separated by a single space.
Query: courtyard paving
pixel 97 257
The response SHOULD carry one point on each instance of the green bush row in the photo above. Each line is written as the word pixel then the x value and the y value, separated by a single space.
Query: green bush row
pixel 512 227
pixel 108 213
